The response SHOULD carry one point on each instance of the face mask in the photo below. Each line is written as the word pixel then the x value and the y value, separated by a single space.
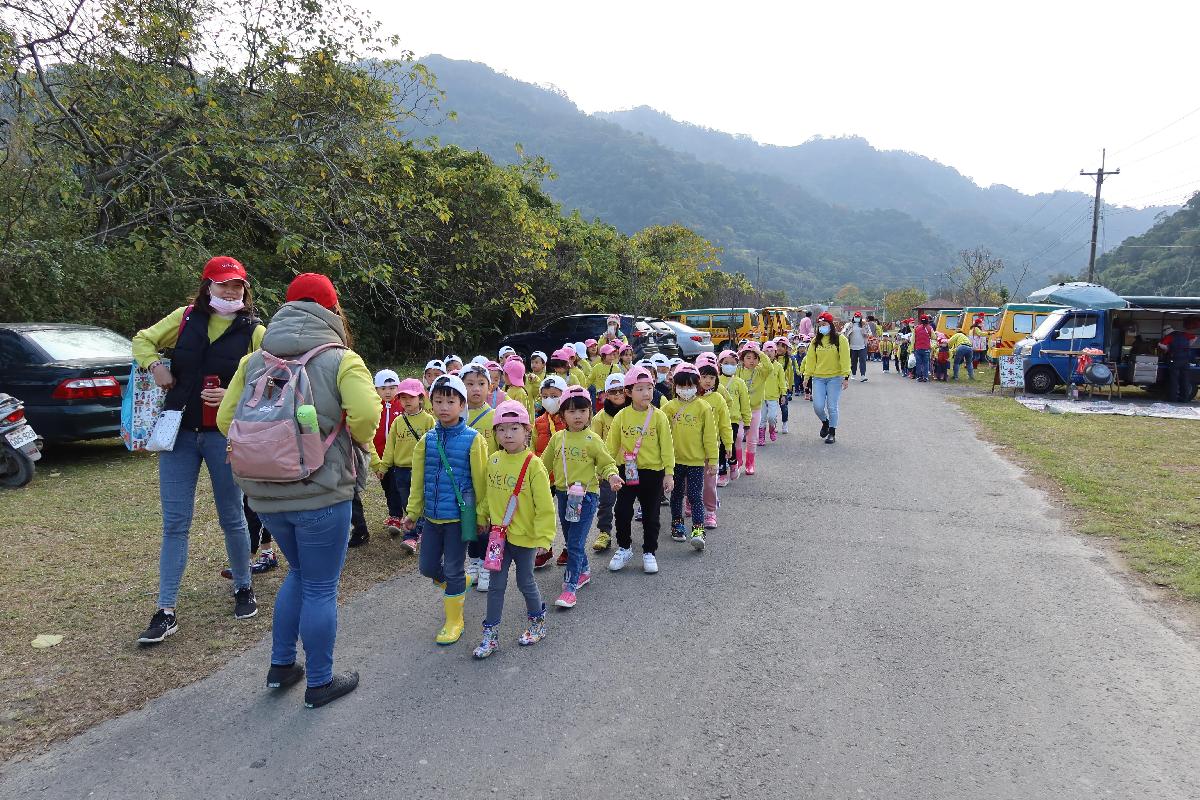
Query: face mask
pixel 728 369
pixel 551 404
pixel 858 322
pixel 823 330
pixel 612 330
pixel 225 306
pixel 686 392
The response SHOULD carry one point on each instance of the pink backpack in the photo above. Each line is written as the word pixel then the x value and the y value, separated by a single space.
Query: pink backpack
pixel 266 440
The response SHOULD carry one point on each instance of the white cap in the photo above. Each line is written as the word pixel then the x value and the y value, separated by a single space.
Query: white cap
pixel 555 382
pixel 503 352
pixel 435 364
pixel 659 360
pixel 481 360
pixel 580 349
pixel 614 381
pixel 453 358
pixel 538 354
pixel 452 381
pixel 386 376
pixel 675 362
pixel 645 362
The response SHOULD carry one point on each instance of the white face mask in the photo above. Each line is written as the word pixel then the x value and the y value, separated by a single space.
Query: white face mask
pixel 551 404
pixel 823 330
pixel 222 306
pixel 612 330
pixel 686 392
pixel 728 369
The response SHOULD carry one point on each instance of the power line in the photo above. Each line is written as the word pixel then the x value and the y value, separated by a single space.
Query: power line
pixel 1157 132
pixel 1165 149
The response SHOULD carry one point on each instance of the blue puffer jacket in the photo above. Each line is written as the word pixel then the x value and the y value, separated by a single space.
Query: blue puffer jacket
pixel 440 502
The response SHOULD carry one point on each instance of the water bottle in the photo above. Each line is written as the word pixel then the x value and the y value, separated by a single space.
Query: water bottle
pixel 306 416
pixel 575 493
pixel 631 472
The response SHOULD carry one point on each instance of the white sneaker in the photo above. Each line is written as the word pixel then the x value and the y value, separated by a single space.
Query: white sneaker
pixel 474 566
pixel 863 379
pixel 785 430
pixel 649 563
pixel 620 558
pixel 484 581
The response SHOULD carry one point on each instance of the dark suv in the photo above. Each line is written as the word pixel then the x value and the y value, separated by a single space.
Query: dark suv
pixel 645 339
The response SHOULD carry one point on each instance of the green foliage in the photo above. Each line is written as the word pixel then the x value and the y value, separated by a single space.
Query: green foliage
pixel 138 142
pixel 1163 261
pixel 900 302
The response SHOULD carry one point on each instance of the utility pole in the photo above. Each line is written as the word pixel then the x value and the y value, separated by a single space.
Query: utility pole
pixel 1099 176
pixel 758 265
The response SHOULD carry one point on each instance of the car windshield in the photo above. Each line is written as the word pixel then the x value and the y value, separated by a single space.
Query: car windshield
pixel 1050 324
pixel 64 344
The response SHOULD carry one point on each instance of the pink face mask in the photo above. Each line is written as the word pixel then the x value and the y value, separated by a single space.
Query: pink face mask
pixel 222 306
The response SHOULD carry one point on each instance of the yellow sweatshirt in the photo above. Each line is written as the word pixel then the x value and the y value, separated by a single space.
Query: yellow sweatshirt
pixel 721 414
pixel 694 431
pixel 519 394
pixel 483 424
pixel 757 381
pixel 600 373
pixel 602 424
pixel 739 399
pixel 576 377
pixel 165 333
pixel 416 494
pixel 588 459
pixel 827 361
pixel 658 446
pixel 533 523
pixel 355 383
pixel 398 450
pixel 533 385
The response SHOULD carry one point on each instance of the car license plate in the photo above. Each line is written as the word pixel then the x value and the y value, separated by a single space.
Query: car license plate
pixel 21 437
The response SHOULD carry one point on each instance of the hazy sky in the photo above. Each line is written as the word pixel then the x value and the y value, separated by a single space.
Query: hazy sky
pixel 1021 93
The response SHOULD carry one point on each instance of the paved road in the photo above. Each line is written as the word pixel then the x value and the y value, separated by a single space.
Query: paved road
pixel 847 634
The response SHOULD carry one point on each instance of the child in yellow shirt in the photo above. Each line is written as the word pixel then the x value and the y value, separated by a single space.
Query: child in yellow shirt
pixel 394 467
pixel 694 434
pixel 614 400
pixel 514 472
pixel 577 460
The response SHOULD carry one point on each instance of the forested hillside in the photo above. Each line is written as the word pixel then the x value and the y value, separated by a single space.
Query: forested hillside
pixel 1164 260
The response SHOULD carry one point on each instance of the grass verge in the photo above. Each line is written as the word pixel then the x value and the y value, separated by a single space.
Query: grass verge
pixel 81 560
pixel 1130 479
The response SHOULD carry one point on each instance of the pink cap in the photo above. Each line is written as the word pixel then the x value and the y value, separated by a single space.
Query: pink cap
pixel 576 391
pixel 411 386
pixel 510 411
pixel 589 342
pixel 514 371
pixel 639 375
pixel 769 347
pixel 623 346
pixel 685 368
pixel 607 349
pixel 726 354
pixel 748 347
pixel 706 359
pixel 562 354
pixel 491 365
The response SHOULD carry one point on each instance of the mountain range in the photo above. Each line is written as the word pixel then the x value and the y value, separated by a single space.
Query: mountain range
pixel 807 218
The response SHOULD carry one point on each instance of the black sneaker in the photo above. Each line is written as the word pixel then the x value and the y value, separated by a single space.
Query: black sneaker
pixel 282 677
pixel 244 604
pixel 832 437
pixel 317 696
pixel 359 538
pixel 162 625
pixel 824 429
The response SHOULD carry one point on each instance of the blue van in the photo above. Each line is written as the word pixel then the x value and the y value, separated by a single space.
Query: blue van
pixel 1051 353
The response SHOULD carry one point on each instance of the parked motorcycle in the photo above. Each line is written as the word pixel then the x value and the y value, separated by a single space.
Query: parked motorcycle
pixel 20 445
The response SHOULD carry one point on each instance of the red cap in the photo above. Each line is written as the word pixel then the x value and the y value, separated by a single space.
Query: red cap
pixel 312 286
pixel 826 317
pixel 220 269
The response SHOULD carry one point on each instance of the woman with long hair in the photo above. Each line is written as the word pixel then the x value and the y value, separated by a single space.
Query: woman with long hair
pixel 204 342
pixel 827 365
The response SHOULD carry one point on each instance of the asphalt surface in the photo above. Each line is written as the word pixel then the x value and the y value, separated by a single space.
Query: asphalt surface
pixel 860 626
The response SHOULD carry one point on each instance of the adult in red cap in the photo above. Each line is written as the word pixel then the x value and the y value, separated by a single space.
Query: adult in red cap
pixel 311 518
pixel 205 341
pixel 923 336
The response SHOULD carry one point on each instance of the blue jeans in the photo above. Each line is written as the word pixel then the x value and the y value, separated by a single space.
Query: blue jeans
pixel 826 392
pixel 575 534
pixel 306 605
pixel 441 555
pixel 964 354
pixel 178 471
pixel 922 369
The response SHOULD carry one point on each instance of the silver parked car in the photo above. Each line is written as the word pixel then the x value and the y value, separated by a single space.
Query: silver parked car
pixel 691 341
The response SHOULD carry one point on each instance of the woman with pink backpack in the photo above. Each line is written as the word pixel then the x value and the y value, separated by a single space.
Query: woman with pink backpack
pixel 309 518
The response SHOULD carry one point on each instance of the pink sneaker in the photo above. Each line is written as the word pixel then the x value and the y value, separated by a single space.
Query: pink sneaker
pixel 722 481
pixel 735 470
pixel 774 436
pixel 710 520
pixel 565 600
pixel 584 580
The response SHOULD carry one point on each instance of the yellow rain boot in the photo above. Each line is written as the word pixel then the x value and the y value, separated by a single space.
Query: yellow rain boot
pixel 442 584
pixel 453 629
